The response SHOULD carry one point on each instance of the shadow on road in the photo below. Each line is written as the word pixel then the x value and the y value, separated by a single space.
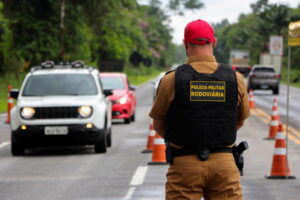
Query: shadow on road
pixel 60 151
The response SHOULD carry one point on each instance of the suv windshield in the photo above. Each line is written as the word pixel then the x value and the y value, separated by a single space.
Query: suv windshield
pixel 60 84
pixel 114 83
pixel 264 69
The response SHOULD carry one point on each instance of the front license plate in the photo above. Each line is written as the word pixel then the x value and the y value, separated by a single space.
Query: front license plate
pixel 56 130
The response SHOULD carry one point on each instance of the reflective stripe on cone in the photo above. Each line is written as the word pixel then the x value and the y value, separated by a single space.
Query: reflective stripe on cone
pixel 150 140
pixel 159 152
pixel 251 99
pixel 274 121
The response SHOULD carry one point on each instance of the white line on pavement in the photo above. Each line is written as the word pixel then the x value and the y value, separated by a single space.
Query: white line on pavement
pixel 139 175
pixel 3 144
pixel 137 179
pixel 129 193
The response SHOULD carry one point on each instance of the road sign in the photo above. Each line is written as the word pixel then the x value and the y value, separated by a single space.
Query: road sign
pixel 294 34
pixel 276 45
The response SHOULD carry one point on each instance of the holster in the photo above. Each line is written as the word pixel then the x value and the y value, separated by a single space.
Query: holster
pixel 169 156
pixel 237 152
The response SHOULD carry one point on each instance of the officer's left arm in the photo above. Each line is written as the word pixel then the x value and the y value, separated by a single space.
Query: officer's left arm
pixel 159 127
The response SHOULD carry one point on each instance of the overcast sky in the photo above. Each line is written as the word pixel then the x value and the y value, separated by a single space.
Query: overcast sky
pixel 214 11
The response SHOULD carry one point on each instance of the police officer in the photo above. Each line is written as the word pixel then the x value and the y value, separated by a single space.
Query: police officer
pixel 198 109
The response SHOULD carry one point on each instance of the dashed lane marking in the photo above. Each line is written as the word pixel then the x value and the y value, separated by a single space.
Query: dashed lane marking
pixel 139 175
pixel 3 144
pixel 129 193
pixel 137 179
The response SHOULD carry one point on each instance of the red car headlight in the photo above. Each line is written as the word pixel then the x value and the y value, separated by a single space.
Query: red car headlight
pixel 123 100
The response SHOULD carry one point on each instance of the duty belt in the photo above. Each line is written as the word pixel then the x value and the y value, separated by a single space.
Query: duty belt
pixel 202 153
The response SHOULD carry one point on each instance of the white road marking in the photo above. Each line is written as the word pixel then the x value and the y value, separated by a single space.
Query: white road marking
pixel 129 193
pixel 3 144
pixel 137 179
pixel 139 175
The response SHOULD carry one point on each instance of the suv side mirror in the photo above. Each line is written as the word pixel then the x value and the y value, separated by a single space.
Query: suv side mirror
pixel 107 92
pixel 14 93
pixel 132 88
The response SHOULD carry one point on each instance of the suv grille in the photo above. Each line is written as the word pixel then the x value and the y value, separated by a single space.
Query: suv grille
pixel 56 112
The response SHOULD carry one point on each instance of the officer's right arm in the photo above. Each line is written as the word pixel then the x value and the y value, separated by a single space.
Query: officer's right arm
pixel 243 103
pixel 159 127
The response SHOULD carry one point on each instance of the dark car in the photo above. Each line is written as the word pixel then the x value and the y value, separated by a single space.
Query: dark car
pixel 264 77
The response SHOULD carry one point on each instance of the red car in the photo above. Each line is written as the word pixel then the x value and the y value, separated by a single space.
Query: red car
pixel 123 97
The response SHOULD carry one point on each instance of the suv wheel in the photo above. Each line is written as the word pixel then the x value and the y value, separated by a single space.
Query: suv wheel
pixel 132 118
pixel 276 90
pixel 100 146
pixel 108 137
pixel 17 150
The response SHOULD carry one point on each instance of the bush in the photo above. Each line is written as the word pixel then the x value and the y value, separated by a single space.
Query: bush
pixel 8 79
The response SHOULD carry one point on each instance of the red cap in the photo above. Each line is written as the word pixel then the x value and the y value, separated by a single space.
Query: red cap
pixel 199 32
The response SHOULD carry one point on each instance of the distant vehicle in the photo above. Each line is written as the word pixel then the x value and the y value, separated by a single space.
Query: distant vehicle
pixel 61 105
pixel 240 60
pixel 123 98
pixel 156 82
pixel 264 77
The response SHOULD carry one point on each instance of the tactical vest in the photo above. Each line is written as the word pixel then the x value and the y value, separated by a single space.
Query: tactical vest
pixel 204 110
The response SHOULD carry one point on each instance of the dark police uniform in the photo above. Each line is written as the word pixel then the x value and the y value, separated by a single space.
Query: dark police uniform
pixel 209 99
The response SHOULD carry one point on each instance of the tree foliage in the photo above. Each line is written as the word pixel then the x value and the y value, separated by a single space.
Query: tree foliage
pixel 252 31
pixel 108 33
pixel 102 32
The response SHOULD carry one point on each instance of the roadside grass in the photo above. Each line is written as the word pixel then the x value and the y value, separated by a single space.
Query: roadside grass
pixel 8 79
pixel 294 77
pixel 140 75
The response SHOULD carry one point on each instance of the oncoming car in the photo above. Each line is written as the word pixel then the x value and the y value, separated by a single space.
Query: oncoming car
pixel 61 105
pixel 264 77
pixel 123 97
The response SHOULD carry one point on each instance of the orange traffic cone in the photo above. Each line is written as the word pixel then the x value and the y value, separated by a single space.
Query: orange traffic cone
pixel 280 168
pixel 251 100
pixel 274 121
pixel 150 145
pixel 10 104
pixel 159 151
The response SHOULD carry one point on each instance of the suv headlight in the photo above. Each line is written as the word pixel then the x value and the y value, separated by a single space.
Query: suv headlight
pixel 27 112
pixel 85 111
pixel 122 100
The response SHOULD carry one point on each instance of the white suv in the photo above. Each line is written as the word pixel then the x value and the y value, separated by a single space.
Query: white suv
pixel 61 105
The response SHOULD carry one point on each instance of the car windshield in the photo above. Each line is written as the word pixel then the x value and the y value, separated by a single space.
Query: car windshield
pixel 264 69
pixel 114 83
pixel 60 84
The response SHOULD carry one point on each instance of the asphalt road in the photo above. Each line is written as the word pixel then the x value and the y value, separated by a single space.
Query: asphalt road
pixel 76 173
pixel 264 99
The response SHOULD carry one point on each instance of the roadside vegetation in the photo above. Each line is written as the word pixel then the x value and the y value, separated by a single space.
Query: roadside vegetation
pixel 111 35
pixel 14 81
pixel 294 77
pixel 252 32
